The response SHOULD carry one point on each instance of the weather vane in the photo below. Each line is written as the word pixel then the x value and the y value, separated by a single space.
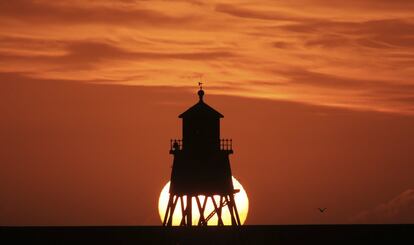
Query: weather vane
pixel 200 84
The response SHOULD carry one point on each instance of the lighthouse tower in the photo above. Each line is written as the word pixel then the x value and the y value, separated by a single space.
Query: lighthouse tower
pixel 201 167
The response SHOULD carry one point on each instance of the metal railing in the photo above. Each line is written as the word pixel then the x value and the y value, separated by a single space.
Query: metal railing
pixel 176 145
pixel 225 145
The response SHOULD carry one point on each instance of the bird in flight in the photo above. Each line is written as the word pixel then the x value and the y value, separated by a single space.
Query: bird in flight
pixel 322 210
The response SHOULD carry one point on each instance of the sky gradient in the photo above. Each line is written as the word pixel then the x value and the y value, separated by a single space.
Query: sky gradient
pixel 317 95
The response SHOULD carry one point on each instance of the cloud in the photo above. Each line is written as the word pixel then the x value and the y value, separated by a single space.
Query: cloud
pixel 398 210
pixel 336 51
pixel 26 43
pixel 53 13
pixel 349 90
pixel 382 5
pixel 91 52
pixel 256 14
pixel 282 45
pixel 318 79
pixel 385 33
pixel 323 80
pixel 99 51
pixel 12 77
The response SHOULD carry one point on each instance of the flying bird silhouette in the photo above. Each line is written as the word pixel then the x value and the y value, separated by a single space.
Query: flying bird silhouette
pixel 322 210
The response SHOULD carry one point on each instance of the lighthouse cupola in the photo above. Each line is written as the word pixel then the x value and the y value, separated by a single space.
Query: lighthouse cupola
pixel 201 128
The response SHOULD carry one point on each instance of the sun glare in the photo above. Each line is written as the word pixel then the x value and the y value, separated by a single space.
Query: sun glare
pixel 242 204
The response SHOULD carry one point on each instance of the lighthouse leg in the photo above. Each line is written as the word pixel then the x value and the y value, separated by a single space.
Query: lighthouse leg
pixel 229 205
pixel 201 208
pixel 216 209
pixel 220 207
pixel 170 202
pixel 183 212
pixel 189 211
pixel 235 209
pixel 172 208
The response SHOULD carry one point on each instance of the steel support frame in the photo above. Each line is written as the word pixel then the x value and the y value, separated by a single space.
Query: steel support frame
pixel 187 212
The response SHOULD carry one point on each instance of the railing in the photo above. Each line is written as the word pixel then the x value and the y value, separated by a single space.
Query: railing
pixel 225 145
pixel 176 145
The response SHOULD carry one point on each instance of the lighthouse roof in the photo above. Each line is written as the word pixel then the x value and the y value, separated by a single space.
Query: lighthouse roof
pixel 201 109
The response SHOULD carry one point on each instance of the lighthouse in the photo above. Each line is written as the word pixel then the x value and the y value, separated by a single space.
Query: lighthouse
pixel 201 168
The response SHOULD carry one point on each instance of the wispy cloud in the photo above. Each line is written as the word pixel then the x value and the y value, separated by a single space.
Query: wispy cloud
pixel 398 210
pixel 78 12
pixel 316 51
pixel 236 11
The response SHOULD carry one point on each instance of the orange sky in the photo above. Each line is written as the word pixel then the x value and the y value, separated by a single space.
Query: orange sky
pixel 356 54
pixel 90 92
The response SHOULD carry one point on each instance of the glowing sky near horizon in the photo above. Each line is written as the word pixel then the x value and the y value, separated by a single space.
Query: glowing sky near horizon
pixel 353 54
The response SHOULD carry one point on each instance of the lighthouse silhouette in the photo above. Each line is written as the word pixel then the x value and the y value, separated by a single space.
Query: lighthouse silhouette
pixel 201 167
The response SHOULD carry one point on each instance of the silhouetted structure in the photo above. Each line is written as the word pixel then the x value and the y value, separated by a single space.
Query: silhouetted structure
pixel 201 167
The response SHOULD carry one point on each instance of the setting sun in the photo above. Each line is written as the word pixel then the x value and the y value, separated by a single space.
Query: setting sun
pixel 241 199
